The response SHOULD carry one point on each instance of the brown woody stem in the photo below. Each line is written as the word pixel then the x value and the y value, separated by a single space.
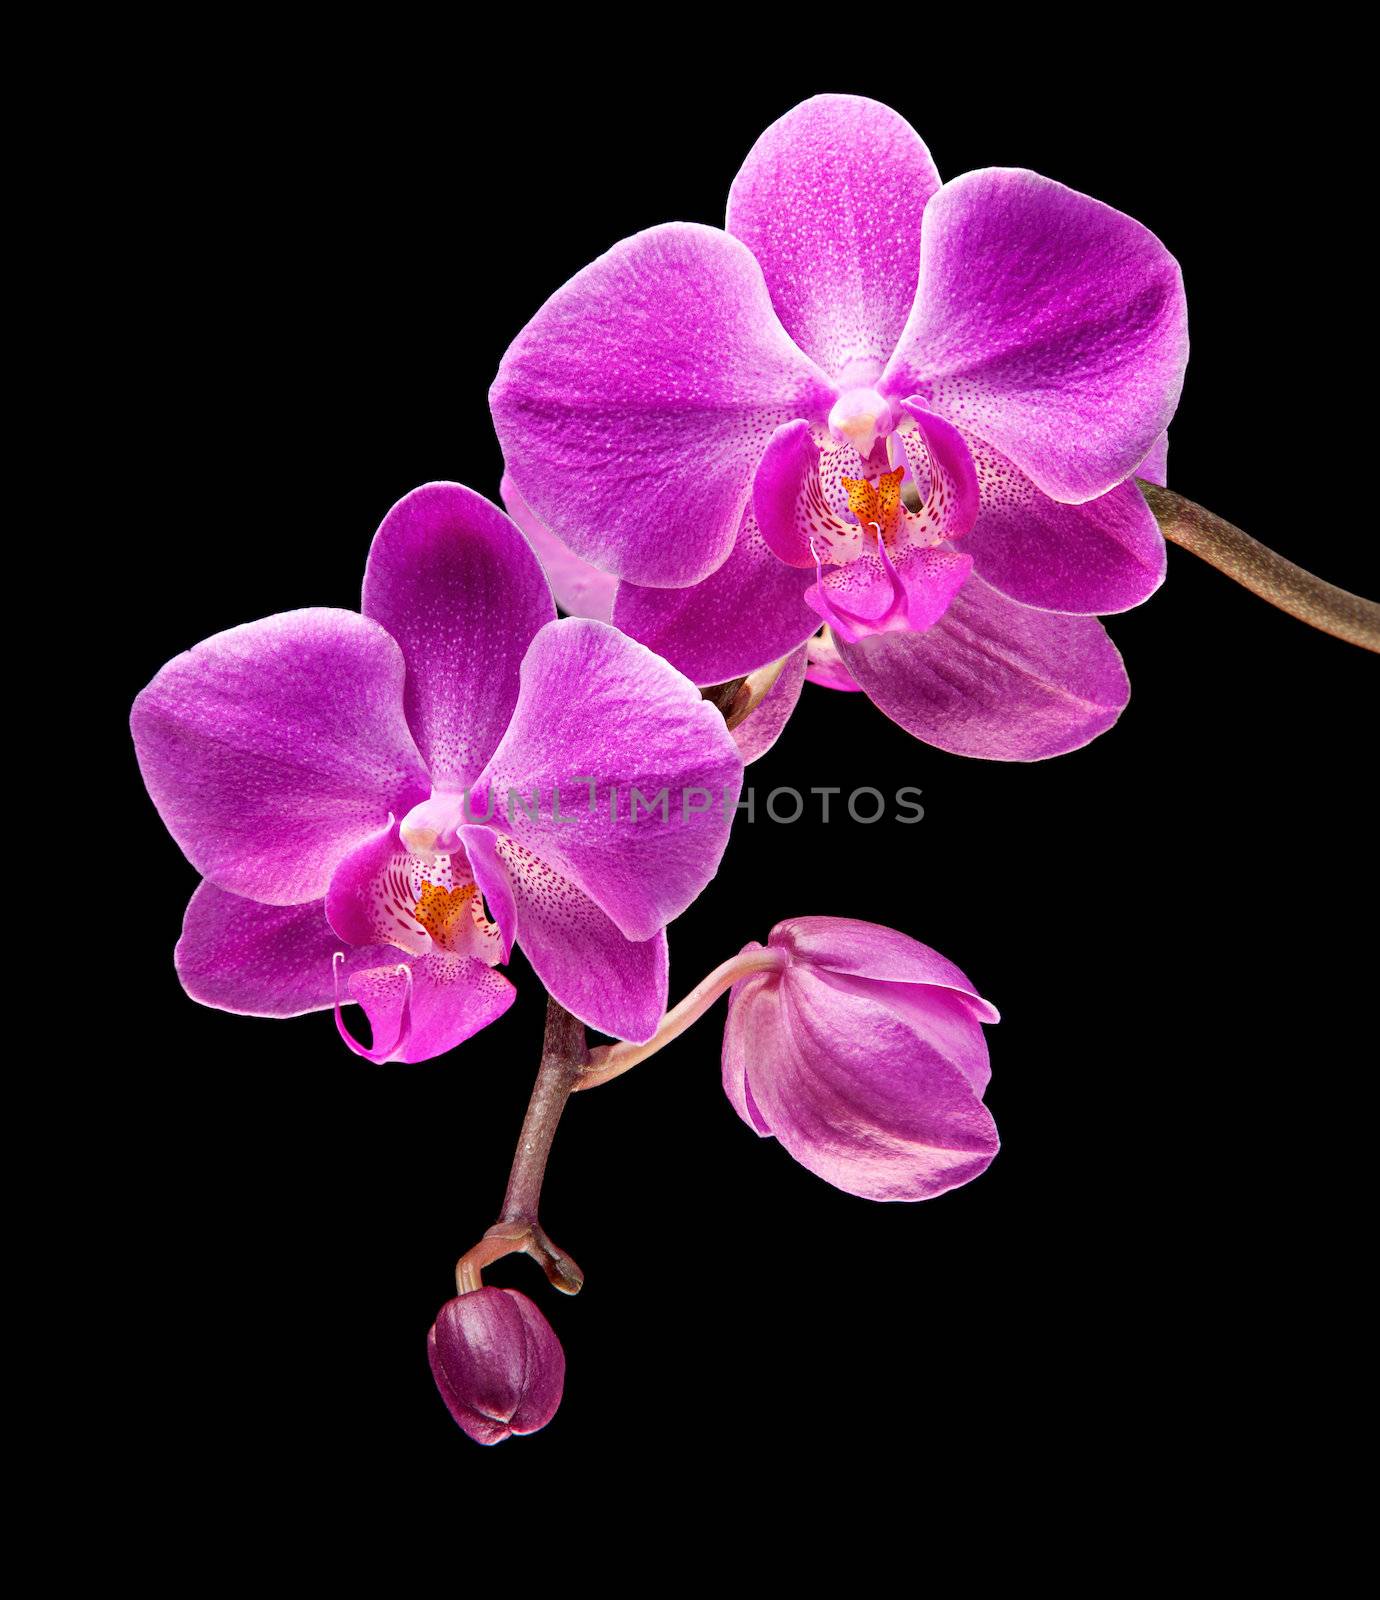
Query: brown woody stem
pixel 563 1058
pixel 1256 567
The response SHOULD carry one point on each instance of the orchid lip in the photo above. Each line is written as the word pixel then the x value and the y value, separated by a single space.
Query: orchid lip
pixel 375 1053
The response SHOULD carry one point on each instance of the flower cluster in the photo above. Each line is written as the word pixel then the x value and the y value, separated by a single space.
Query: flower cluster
pixel 878 432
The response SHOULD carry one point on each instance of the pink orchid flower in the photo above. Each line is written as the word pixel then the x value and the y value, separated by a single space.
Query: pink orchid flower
pixel 907 410
pixel 861 1051
pixel 344 783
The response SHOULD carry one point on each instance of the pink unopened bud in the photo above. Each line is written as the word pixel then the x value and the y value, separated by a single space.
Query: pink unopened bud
pixel 497 1363
pixel 862 1052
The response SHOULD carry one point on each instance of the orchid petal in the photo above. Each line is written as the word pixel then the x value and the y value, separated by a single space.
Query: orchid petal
pixel 455 583
pixel 750 612
pixel 764 724
pixel 870 950
pixel 945 474
pixel 824 665
pixel 1047 324
pixel 580 589
pixel 610 982
pixel 1155 467
pixel 633 408
pixel 995 679
pixel 258 960
pixel 829 200
pixel 733 1060
pixel 599 712
pixel 1102 556
pixel 273 749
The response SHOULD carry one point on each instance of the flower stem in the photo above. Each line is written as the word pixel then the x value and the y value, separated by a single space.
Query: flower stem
pixel 612 1060
pixel 1258 568
pixel 563 1058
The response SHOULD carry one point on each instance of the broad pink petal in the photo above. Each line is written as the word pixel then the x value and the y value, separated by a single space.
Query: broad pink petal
pixel 420 1007
pixel 580 589
pixel 749 613
pixel 457 586
pixel 261 961
pixel 871 950
pixel 1102 556
pixel 829 200
pixel 633 407
pixel 1047 324
pixel 760 730
pixel 272 749
pixel 853 1089
pixel 995 679
pixel 610 982
pixel 824 665
pixel 597 705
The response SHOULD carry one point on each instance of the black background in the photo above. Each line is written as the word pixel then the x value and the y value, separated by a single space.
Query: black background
pixel 322 264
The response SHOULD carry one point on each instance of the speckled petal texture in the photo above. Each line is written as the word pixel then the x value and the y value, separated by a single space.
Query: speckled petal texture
pixel 633 407
pixel 437 1003
pixel 610 982
pixel 995 679
pixel 750 612
pixel 456 584
pixel 1103 556
pixel 596 704
pixel 498 1365
pixel 261 961
pixel 830 201
pixel 1047 324
pixel 872 1082
pixel 274 748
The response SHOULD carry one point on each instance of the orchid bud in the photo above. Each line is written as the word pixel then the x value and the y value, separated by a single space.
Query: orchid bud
pixel 497 1363
pixel 862 1053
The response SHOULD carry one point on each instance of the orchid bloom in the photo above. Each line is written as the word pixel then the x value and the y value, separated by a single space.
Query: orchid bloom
pixel 861 1050
pixel 908 411
pixel 345 783
pixel 497 1363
